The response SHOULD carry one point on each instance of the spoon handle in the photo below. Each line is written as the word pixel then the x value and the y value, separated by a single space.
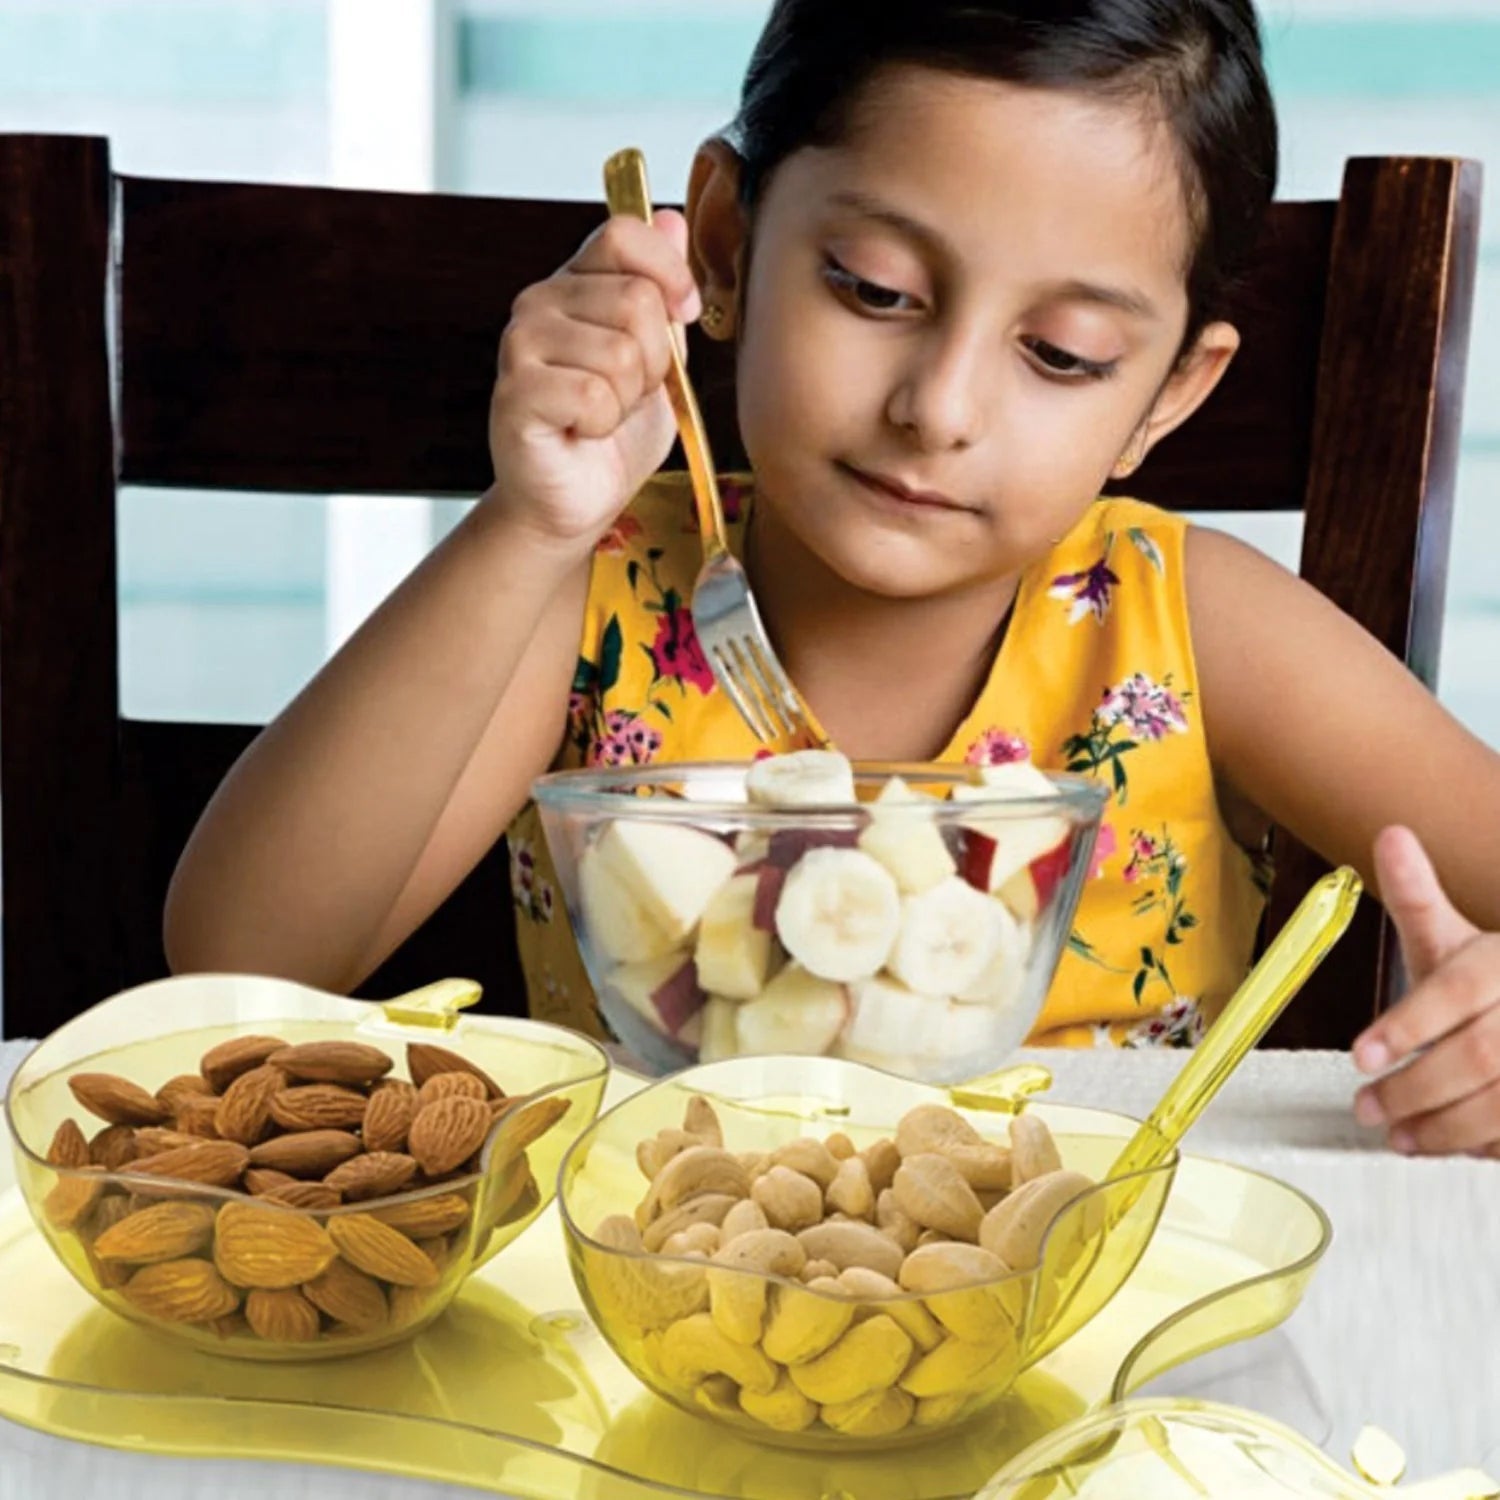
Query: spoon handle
pixel 1284 968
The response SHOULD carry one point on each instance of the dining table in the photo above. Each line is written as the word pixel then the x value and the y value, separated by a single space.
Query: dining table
pixel 1400 1326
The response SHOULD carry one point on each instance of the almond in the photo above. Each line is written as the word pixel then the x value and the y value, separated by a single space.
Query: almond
pixel 308 1153
pixel 110 1210
pixel 319 1106
pixel 333 1062
pixel 388 1115
pixel 425 1217
pixel 152 1140
pixel 257 1246
pixel 73 1198
pixel 456 1084
pixel 378 1250
pixel 408 1303
pixel 282 1317
pixel 211 1163
pixel 260 1180
pixel 245 1110
pixel 447 1133
pixel 376 1174
pixel 183 1086
pixel 425 1059
pixel 181 1291
pixel 116 1100
pixel 438 1251
pixel 221 1065
pixel 349 1296
pixel 313 1196
pixel 69 1148
pixel 198 1115
pixel 165 1231
pixel 521 1126
pixel 113 1147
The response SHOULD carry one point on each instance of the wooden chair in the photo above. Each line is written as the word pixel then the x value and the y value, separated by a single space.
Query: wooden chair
pixel 294 339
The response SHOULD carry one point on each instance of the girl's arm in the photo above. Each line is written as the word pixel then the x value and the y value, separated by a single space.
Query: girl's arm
pixel 1314 722
pixel 352 816
pixel 1327 733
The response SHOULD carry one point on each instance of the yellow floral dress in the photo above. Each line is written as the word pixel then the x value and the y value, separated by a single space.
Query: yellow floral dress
pixel 1095 675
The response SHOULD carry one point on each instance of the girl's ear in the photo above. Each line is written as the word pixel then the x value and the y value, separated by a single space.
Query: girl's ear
pixel 718 235
pixel 1187 388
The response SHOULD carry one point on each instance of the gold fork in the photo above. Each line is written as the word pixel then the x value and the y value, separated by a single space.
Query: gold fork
pixel 724 614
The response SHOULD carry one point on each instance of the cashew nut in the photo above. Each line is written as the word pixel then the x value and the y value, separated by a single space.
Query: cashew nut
pixel 959 1368
pixel 870 1357
pixel 871 1287
pixel 850 1192
pixel 1033 1151
pixel 737 1287
pixel 1015 1229
pixel 811 1158
pixel 880 1414
pixel 634 1289
pixel 881 1161
pixel 653 1154
pixel 699 1169
pixel 700 1119
pixel 931 1190
pixel 840 1147
pixel 788 1199
pixel 804 1325
pixel 817 1270
pixel 741 1219
pixel 894 1221
pixel 784 1409
pixel 706 1208
pixel 934 1128
pixel 694 1348
pixel 845 1245
pixel 968 1290
pixel 701 1239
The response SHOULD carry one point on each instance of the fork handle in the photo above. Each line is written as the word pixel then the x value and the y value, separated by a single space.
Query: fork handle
pixel 628 194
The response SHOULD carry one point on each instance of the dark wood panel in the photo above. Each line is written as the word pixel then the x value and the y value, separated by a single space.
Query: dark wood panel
pixel 1381 485
pixel 169 773
pixel 57 581
pixel 354 334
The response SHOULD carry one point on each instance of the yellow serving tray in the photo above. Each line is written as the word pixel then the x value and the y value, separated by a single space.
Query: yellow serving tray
pixel 514 1391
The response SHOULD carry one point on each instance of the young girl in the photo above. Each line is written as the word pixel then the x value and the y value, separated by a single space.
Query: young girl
pixel 972 256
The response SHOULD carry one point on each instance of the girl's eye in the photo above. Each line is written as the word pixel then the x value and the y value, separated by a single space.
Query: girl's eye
pixel 1060 363
pixel 870 295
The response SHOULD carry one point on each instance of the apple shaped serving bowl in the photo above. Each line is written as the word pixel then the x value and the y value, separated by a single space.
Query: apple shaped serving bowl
pixel 805 1250
pixel 271 1172
pixel 906 916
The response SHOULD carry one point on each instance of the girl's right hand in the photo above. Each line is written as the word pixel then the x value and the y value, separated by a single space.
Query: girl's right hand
pixel 580 419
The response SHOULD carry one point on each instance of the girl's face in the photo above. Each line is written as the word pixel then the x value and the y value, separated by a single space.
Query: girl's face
pixel 955 323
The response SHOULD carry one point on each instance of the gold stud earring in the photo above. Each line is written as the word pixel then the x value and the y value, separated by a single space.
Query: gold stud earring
pixel 1131 461
pixel 713 318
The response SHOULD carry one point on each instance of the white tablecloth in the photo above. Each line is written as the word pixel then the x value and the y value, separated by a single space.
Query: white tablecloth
pixel 1401 1325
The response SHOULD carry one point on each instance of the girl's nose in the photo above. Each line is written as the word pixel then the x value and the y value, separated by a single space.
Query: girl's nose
pixel 936 401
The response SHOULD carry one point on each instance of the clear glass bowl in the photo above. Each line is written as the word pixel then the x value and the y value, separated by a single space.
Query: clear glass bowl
pixel 916 935
pixel 159 1031
pixel 952 1355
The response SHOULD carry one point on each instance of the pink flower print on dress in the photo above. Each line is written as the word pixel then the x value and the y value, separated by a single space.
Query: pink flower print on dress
pixel 1106 846
pixel 677 653
pixel 1091 591
pixel 997 747
pixel 1150 710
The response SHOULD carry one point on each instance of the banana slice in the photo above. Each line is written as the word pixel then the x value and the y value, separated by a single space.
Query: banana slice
pixel 796 1012
pixel 614 916
pixel 734 955
pixel 1004 976
pixel 891 1023
pixel 948 937
pixel 839 914
pixel 672 871
pixel 807 778
pixel 903 836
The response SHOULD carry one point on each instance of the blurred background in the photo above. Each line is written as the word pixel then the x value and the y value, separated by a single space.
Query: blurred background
pixel 227 608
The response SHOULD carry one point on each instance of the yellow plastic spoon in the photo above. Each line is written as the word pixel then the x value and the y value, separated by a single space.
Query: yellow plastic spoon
pixel 1286 965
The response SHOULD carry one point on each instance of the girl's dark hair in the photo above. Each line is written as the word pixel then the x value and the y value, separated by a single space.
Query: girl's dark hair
pixel 1197 64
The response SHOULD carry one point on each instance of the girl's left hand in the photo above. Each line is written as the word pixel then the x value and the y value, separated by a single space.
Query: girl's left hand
pixel 1444 1037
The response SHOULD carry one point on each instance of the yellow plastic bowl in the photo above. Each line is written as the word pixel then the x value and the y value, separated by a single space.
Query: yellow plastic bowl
pixel 158 1031
pixel 932 1363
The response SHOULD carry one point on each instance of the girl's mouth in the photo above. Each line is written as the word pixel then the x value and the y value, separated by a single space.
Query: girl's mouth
pixel 890 488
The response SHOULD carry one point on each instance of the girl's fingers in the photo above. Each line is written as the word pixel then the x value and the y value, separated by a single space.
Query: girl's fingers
pixel 1460 988
pixel 574 400
pixel 1456 1068
pixel 1472 1125
pixel 656 251
pixel 627 304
